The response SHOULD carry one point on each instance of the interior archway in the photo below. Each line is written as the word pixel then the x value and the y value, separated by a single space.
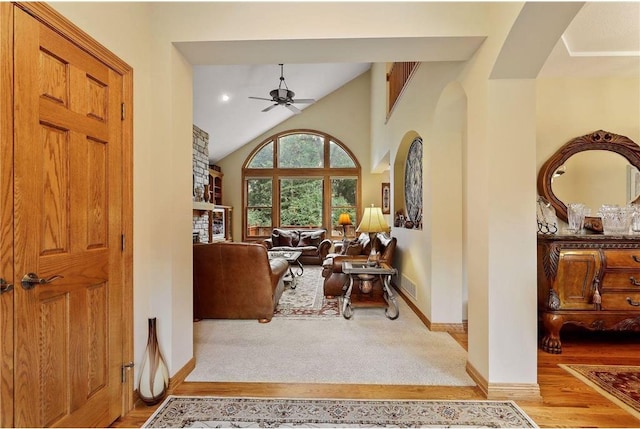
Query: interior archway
pixel 448 211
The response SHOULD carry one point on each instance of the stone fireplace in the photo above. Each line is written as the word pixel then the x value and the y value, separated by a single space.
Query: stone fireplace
pixel 200 182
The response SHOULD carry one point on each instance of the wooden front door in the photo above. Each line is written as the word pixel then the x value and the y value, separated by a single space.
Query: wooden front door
pixel 68 224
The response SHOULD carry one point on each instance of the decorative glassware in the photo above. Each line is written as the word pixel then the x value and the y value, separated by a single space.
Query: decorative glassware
pixel 616 220
pixel 575 217
pixel 154 374
pixel 635 221
pixel 546 217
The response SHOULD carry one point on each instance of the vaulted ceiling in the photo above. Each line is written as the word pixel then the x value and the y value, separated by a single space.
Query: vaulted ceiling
pixel 602 40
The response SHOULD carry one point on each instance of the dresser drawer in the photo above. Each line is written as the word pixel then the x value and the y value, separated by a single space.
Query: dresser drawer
pixel 618 301
pixel 627 280
pixel 622 258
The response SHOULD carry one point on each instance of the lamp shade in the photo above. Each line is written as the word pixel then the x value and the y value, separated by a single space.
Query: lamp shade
pixel 344 219
pixel 373 220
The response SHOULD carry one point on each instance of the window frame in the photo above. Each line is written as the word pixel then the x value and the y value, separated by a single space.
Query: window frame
pixel 326 173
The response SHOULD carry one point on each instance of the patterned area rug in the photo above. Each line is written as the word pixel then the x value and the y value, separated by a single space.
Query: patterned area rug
pixel 619 383
pixel 307 299
pixel 189 411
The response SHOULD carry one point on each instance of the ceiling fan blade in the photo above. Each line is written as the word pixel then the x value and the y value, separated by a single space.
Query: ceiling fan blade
pixel 293 109
pixel 270 107
pixel 304 100
pixel 260 98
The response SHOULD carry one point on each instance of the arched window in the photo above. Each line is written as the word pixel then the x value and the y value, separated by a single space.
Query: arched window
pixel 299 178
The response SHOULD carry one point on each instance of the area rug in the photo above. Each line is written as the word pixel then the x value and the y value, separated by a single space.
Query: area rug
pixel 190 411
pixel 307 298
pixel 366 349
pixel 619 383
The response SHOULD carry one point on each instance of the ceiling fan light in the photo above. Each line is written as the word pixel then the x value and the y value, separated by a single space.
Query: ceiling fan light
pixel 285 93
pixel 284 96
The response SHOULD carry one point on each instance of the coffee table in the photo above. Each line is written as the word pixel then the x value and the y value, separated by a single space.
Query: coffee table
pixel 292 258
pixel 365 272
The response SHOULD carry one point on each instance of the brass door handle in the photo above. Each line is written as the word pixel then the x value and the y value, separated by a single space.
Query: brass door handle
pixel 634 281
pixel 4 286
pixel 31 280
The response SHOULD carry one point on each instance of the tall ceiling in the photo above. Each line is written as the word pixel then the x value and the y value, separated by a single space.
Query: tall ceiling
pixel 603 40
pixel 233 122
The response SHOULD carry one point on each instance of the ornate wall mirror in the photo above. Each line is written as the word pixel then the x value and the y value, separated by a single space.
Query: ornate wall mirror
pixel 595 169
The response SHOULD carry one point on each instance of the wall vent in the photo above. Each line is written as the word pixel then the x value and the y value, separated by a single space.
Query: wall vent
pixel 408 286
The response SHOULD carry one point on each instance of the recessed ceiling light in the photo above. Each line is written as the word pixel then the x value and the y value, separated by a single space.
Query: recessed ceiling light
pixel 224 97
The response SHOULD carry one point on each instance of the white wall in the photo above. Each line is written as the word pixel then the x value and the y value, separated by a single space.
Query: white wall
pixel 489 269
pixel 569 108
pixel 512 233
pixel 432 257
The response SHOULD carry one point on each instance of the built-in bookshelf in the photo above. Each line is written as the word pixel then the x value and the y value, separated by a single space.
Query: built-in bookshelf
pixel 215 185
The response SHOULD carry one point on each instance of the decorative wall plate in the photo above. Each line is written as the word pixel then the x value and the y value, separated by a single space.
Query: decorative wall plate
pixel 413 182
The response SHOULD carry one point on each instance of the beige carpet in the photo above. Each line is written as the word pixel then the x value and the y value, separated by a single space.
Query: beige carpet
pixel 369 349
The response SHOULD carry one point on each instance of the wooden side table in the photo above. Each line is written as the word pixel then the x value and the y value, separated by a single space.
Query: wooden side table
pixel 366 272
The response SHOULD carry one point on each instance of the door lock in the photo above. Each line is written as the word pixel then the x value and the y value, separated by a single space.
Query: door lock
pixel 31 280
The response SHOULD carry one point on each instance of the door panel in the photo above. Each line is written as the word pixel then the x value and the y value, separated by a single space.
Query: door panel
pixel 68 224
pixel 577 270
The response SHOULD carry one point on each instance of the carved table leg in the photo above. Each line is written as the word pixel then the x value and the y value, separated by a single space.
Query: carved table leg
pixel 551 340
pixel 347 310
pixel 392 311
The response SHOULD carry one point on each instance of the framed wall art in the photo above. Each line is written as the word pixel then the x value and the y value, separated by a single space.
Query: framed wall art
pixel 386 198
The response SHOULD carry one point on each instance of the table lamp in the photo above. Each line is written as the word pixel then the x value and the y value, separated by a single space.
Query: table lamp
pixel 343 220
pixel 372 222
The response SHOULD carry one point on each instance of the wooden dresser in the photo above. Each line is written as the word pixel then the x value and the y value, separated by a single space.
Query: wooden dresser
pixel 592 281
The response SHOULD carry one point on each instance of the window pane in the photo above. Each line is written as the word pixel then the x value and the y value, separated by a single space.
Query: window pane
pixel 301 151
pixel 259 222
pixel 259 192
pixel 339 158
pixel 264 157
pixel 343 192
pixel 301 202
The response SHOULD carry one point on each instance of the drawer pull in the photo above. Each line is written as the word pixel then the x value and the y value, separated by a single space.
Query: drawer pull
pixel 634 281
pixel 635 258
pixel 632 302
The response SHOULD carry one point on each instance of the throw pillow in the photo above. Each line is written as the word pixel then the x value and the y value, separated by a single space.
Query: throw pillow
pixel 354 249
pixel 310 239
pixel 349 247
pixel 366 244
pixel 282 238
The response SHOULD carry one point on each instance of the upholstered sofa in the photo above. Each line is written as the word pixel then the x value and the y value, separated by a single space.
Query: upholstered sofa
pixel 356 251
pixel 236 281
pixel 311 242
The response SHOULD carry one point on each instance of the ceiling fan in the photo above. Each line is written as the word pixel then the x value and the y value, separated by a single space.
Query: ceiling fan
pixel 284 96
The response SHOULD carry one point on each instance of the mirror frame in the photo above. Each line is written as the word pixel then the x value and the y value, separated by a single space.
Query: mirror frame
pixel 597 140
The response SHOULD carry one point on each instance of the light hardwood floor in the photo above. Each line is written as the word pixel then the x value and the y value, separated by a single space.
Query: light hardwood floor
pixel 567 402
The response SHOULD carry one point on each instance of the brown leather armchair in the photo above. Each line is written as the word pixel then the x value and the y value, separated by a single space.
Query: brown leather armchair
pixel 236 281
pixel 335 279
